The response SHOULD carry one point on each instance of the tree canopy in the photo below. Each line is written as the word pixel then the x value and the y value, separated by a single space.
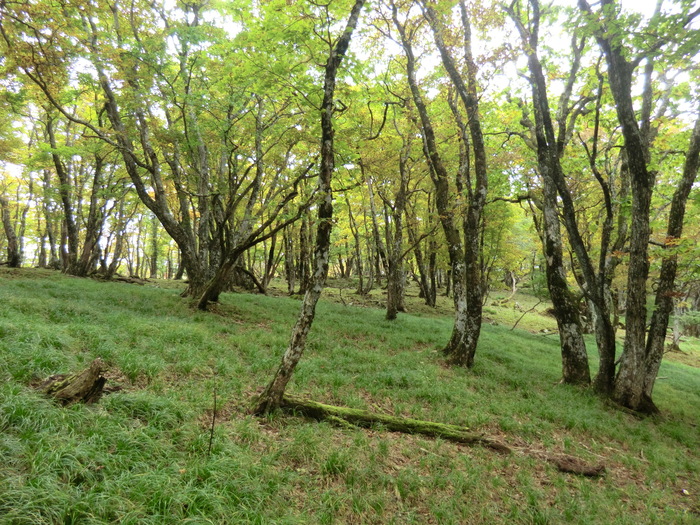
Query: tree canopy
pixel 464 145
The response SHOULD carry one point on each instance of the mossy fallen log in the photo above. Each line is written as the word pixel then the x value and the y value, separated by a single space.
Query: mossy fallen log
pixel 364 418
pixel 85 386
pixel 346 417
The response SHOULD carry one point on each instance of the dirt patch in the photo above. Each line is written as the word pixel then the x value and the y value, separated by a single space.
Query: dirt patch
pixel 688 358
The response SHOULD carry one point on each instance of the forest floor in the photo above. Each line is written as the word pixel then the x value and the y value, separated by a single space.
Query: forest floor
pixel 146 454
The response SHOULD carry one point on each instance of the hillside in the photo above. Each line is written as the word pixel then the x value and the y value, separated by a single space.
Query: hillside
pixel 141 455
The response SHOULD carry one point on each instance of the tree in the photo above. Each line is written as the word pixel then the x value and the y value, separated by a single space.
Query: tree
pixel 638 363
pixel 14 256
pixel 271 398
pixel 463 246
pixel 549 149
pixel 178 120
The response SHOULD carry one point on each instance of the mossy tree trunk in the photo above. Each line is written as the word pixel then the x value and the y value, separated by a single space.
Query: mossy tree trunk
pixel 14 256
pixel 549 146
pixel 271 398
pixel 364 418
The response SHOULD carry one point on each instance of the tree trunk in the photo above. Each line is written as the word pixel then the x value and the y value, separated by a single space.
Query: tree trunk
pixel 363 418
pixel 423 278
pixel 289 266
pixel 358 248
pixel 575 369
pixel 51 234
pixel 382 264
pixel 154 248
pixel 64 190
pixel 14 256
pixel 629 383
pixel 395 275
pixel 95 222
pixel 271 398
pixel 666 285
pixel 438 172
pixel 464 255
pixel 305 256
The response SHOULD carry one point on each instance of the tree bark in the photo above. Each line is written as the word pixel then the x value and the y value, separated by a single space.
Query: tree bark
pixel 14 256
pixel 638 367
pixel 271 398
pixel 463 349
pixel 358 248
pixel 95 222
pixel 575 369
pixel 395 275
pixel 382 264
pixel 666 285
pixel 289 266
pixel 363 418
pixel 426 291
pixel 85 386
pixel 453 433
pixel 64 190
pixel 456 349
pixel 154 248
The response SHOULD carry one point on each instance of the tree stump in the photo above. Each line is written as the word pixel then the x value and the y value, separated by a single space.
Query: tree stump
pixel 84 387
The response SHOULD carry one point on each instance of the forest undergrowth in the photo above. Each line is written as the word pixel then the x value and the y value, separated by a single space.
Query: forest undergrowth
pixel 146 454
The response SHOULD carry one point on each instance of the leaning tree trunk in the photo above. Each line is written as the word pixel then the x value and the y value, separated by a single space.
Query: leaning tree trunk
pixel 271 398
pixel 665 291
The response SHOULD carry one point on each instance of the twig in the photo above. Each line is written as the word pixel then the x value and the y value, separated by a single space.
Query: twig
pixel 527 312
pixel 213 422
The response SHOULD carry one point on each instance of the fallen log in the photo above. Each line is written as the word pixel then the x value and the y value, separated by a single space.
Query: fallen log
pixel 363 418
pixel 352 417
pixel 85 386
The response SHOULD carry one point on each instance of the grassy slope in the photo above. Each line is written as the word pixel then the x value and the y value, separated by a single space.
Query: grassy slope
pixel 140 456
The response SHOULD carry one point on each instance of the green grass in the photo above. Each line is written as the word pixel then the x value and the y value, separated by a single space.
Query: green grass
pixel 140 455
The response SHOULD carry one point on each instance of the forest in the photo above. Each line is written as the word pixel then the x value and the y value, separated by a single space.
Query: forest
pixel 508 188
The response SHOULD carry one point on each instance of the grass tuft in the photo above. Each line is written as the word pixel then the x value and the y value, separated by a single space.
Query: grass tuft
pixel 141 455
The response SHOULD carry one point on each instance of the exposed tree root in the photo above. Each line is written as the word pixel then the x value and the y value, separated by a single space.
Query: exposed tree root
pixel 572 465
pixel 566 463
pixel 85 386
pixel 351 417
pixel 129 280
